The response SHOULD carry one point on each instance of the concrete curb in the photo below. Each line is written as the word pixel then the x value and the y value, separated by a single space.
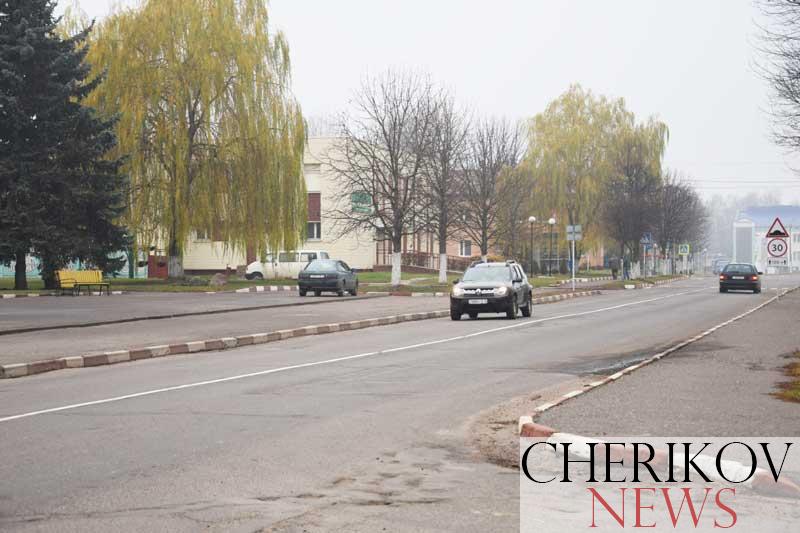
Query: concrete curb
pixel 43 294
pixel 585 280
pixel 260 288
pixel 761 482
pixel 540 300
pixel 226 343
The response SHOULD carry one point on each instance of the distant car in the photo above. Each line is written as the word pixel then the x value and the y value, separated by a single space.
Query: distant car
pixel 740 277
pixel 283 264
pixel 719 264
pixel 327 275
pixel 492 288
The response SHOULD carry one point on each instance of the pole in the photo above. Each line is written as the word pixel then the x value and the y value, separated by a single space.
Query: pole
pixel 550 262
pixel 573 264
pixel 530 253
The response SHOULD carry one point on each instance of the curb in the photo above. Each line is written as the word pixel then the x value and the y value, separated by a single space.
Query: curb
pixel 260 288
pixel 540 300
pixel 43 294
pixel 585 280
pixel 761 481
pixel 225 343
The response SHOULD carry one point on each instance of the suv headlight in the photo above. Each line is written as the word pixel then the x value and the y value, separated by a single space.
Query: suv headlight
pixel 458 291
pixel 501 291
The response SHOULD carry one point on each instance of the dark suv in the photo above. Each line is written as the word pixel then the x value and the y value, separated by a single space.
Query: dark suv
pixel 491 288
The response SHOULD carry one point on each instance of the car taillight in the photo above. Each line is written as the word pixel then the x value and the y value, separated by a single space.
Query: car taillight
pixel 754 278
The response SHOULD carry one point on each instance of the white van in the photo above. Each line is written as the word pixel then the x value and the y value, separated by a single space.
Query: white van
pixel 283 264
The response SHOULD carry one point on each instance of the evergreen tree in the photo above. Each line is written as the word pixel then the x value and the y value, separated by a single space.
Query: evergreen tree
pixel 59 197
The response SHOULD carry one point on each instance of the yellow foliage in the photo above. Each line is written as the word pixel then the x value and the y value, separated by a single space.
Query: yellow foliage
pixel 213 135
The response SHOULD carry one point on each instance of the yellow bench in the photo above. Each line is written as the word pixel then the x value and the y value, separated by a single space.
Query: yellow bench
pixel 73 280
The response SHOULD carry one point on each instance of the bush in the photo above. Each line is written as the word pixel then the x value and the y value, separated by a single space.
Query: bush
pixel 192 281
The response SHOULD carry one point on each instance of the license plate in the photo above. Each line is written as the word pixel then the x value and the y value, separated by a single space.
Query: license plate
pixel 317 276
pixel 737 277
pixel 482 301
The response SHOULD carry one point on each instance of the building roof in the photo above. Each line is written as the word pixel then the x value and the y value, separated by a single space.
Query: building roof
pixel 763 216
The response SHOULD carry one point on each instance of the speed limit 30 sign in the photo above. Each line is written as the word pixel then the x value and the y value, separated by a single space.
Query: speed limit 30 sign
pixel 777 247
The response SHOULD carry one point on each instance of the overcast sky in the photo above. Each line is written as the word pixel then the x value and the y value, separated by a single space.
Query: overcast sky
pixel 688 62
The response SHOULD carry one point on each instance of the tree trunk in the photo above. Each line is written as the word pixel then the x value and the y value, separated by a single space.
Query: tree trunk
pixel 175 260
pixel 48 272
pixel 442 257
pixel 20 272
pixel 397 260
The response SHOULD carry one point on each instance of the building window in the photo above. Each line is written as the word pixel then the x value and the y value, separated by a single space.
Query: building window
pixel 465 249
pixel 314 231
pixel 314 225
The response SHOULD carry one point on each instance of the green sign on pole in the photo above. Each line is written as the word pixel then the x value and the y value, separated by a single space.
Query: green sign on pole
pixel 361 202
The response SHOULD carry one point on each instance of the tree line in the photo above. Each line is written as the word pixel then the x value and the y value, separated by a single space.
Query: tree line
pixel 427 164
pixel 169 118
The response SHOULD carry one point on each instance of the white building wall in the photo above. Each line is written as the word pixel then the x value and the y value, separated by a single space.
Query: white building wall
pixel 357 250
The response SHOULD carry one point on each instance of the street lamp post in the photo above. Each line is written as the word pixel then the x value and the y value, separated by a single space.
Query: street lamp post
pixel 552 223
pixel 531 221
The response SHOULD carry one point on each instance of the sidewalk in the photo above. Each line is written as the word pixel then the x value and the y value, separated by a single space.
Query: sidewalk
pixel 722 385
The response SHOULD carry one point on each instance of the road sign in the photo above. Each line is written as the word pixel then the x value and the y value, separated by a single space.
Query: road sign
pixel 361 202
pixel 574 233
pixel 778 261
pixel 777 247
pixel 684 249
pixel 777 229
pixel 647 238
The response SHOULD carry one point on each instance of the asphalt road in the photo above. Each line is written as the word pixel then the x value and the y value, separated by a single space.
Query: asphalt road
pixel 355 431
pixel 38 345
pixel 55 311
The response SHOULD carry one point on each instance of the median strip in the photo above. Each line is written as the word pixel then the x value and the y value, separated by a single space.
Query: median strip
pixel 227 343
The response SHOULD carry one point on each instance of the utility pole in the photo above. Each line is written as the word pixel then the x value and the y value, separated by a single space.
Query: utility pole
pixel 552 223
pixel 531 221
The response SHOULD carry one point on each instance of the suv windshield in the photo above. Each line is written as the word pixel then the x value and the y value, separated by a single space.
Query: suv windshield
pixel 488 274
pixel 739 269
pixel 322 265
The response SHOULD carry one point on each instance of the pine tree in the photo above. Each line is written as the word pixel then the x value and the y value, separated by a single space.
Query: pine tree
pixel 59 197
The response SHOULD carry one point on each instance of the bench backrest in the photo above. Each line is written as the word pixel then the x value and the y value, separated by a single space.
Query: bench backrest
pixel 67 279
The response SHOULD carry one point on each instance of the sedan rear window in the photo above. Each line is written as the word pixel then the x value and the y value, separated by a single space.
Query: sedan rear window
pixel 322 265
pixel 734 268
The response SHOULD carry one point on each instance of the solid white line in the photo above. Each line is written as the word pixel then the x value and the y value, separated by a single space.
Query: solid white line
pixel 336 359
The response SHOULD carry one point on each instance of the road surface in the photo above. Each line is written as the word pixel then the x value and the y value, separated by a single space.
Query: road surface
pixel 355 431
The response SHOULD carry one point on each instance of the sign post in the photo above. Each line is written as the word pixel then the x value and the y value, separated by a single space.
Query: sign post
pixel 646 241
pixel 683 251
pixel 574 233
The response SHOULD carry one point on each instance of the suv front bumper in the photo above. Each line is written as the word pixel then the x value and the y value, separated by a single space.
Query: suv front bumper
pixel 494 304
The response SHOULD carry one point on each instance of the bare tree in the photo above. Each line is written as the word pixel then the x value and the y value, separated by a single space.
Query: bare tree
pixel 448 142
pixel 679 215
pixel 780 67
pixel 380 159
pixel 515 194
pixel 494 146
pixel 626 209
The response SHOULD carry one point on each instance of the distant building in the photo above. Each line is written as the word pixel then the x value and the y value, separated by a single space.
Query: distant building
pixel 749 235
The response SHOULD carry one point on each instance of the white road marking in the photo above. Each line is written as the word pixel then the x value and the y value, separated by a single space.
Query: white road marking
pixel 339 359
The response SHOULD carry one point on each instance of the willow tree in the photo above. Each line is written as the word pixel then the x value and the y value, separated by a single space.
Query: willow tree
pixel 213 135
pixel 568 151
